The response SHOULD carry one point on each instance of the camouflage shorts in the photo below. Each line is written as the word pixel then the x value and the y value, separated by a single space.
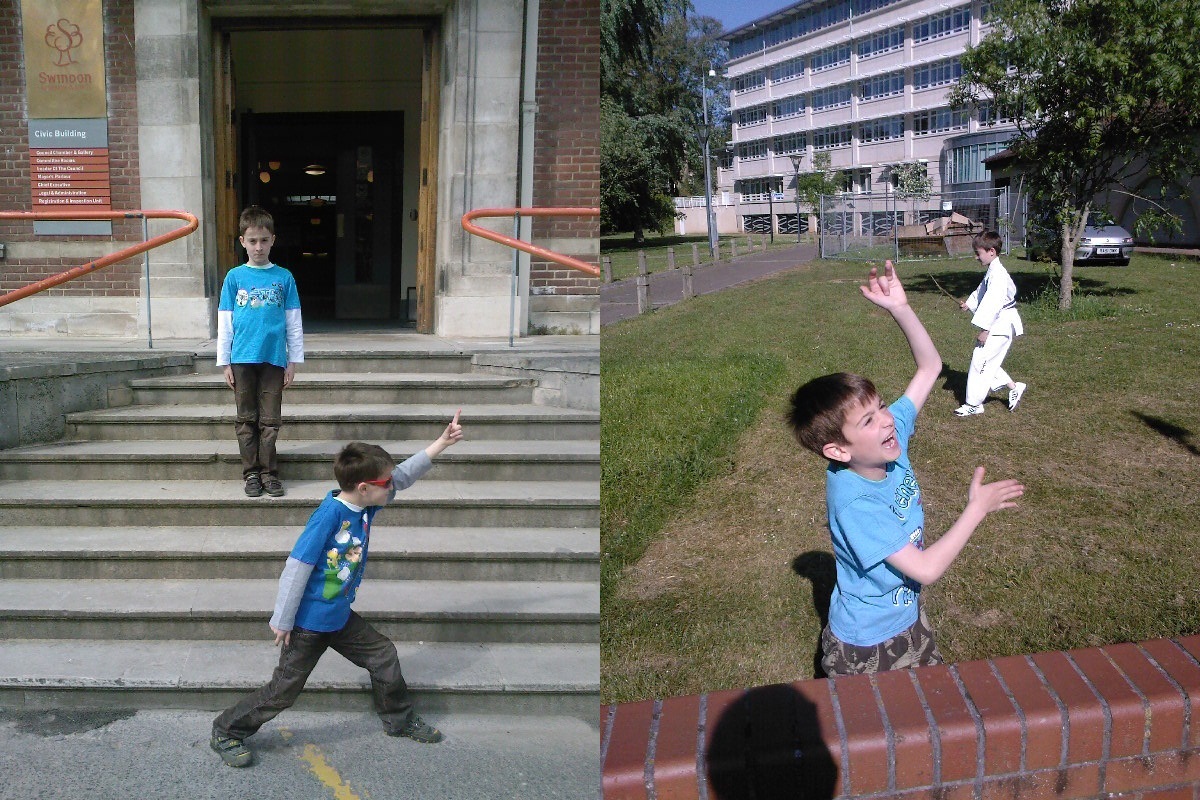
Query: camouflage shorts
pixel 914 647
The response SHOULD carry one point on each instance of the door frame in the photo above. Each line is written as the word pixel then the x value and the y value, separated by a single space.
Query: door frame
pixel 225 156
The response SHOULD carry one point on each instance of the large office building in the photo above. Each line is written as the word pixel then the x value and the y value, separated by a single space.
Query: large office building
pixel 867 81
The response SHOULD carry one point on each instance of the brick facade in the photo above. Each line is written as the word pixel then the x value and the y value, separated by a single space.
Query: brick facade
pixel 1114 721
pixel 121 81
pixel 567 144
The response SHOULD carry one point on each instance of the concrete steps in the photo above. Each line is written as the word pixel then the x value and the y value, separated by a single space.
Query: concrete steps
pixel 346 387
pixel 450 677
pixel 220 608
pixel 135 572
pixel 199 460
pixel 196 552
pixel 339 422
pixel 428 502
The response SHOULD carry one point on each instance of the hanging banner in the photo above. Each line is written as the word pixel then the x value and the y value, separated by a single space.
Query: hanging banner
pixel 64 58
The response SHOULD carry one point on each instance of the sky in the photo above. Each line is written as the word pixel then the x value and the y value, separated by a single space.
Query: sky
pixel 735 14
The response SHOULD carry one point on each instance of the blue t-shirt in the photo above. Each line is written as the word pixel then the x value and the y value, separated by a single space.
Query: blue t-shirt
pixel 334 541
pixel 258 298
pixel 869 521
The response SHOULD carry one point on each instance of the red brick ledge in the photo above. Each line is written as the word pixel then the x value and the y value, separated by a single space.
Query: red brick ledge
pixel 1113 721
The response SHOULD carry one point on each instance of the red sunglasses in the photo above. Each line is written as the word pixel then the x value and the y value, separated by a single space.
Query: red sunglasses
pixel 382 483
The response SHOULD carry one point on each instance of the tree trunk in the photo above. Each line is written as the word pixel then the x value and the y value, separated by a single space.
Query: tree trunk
pixel 1068 270
pixel 1072 233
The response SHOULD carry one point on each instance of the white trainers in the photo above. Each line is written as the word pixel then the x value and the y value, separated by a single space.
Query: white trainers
pixel 966 410
pixel 1014 396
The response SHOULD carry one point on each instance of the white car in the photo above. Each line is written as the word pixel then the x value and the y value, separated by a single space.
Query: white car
pixel 1103 242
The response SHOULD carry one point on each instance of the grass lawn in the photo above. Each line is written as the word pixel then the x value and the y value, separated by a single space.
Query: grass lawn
pixel 717 564
pixel 623 251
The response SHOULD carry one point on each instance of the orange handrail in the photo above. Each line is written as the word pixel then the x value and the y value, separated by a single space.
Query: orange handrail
pixel 111 258
pixel 519 244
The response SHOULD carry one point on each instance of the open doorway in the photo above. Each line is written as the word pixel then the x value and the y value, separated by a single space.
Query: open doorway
pixel 330 125
pixel 334 183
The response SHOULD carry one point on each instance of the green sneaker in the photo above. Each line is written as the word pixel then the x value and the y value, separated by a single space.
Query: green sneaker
pixel 419 730
pixel 232 751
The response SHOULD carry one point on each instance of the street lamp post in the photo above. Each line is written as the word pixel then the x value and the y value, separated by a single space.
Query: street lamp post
pixel 796 159
pixel 704 136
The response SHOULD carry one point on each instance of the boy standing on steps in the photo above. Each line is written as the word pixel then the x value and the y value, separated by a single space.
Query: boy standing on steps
pixel 312 608
pixel 260 339
pixel 875 506
pixel 994 303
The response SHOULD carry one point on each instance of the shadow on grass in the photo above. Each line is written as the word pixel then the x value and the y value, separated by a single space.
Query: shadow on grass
pixel 767 745
pixel 1181 436
pixel 818 568
pixel 1029 284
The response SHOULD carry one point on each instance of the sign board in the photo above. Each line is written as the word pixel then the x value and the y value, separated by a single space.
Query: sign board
pixel 68 112
pixel 64 58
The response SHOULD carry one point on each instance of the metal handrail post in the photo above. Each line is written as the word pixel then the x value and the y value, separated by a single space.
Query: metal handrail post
pixel 512 301
pixel 146 257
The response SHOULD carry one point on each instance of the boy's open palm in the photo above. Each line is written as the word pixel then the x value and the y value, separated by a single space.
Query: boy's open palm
pixel 884 290
pixel 994 496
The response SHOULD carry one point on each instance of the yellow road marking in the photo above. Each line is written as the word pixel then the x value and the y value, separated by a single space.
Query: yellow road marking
pixel 327 774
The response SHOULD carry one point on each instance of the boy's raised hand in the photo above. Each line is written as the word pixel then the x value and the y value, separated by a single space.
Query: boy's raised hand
pixel 885 290
pixel 993 496
pixel 451 435
pixel 454 431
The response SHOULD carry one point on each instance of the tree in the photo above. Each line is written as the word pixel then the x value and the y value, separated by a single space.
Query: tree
pixel 655 61
pixel 1100 90
pixel 636 174
pixel 823 180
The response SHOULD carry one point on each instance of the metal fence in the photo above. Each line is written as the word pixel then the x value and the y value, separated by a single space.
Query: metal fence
pixel 867 227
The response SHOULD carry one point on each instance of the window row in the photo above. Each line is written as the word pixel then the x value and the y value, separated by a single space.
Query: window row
pixel 803 23
pixel 941 24
pixel 876 88
pixel 938 120
pixel 956 20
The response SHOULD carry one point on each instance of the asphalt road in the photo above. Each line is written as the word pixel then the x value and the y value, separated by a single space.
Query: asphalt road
pixel 107 755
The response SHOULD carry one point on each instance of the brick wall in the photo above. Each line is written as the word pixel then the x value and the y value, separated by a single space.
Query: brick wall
pixel 121 73
pixel 1113 721
pixel 567 143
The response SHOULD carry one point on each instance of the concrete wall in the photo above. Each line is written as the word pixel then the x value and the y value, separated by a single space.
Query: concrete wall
pixel 37 392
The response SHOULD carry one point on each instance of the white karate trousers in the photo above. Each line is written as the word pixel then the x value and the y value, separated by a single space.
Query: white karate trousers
pixel 986 375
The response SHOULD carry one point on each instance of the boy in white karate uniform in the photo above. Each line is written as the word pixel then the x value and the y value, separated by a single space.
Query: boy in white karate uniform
pixel 994 304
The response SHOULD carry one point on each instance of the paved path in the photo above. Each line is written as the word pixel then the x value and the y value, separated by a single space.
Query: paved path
pixel 618 300
pixel 70 754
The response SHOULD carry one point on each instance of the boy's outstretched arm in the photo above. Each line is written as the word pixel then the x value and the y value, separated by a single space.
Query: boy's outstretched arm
pixel 926 566
pixel 887 292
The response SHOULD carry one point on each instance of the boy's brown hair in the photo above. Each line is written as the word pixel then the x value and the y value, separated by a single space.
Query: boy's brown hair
pixel 358 462
pixel 818 408
pixel 988 240
pixel 256 217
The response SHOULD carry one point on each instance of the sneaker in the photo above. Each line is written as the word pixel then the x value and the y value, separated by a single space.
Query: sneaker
pixel 418 730
pixel 966 410
pixel 254 486
pixel 273 486
pixel 232 751
pixel 1014 396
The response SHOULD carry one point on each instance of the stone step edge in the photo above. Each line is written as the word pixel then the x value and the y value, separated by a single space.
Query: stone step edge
pixel 305 450
pixel 455 380
pixel 233 665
